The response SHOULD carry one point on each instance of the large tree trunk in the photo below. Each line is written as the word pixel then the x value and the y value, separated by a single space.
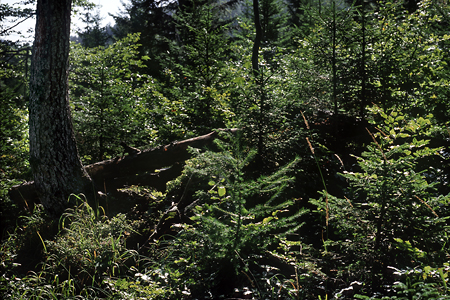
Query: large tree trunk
pixel 56 166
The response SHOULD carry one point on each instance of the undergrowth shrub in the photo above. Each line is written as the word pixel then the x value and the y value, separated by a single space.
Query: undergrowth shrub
pixel 89 246
pixel 391 215
pixel 237 226
pixel 22 246
pixel 75 260
pixel 417 283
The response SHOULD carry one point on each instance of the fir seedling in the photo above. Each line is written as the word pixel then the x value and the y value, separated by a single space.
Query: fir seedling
pixel 236 220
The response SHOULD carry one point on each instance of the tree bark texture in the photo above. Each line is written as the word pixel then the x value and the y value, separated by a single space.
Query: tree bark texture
pixel 55 163
pixel 137 168
pixel 258 38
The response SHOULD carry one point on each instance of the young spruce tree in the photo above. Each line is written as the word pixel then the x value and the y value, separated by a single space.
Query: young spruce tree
pixel 236 221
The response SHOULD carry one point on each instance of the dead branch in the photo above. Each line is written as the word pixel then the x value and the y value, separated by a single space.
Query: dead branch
pixel 152 167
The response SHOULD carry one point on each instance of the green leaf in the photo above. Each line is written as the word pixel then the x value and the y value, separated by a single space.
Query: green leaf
pixel 222 191
pixel 267 220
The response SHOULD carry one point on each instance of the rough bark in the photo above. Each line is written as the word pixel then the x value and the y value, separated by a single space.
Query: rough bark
pixel 258 38
pixel 54 159
pixel 137 168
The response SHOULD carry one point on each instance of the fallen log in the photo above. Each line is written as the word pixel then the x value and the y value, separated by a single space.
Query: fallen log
pixel 152 167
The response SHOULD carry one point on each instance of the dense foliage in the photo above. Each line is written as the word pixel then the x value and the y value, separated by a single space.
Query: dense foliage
pixel 113 100
pixel 335 186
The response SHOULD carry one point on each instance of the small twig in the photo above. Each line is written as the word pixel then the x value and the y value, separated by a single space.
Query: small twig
pixel 340 160
pixel 379 147
pixel 253 282
pixel 381 131
pixel 1 33
pixel 304 119
pixel 163 217
pixel 427 205
pixel 348 201
pixel 128 149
